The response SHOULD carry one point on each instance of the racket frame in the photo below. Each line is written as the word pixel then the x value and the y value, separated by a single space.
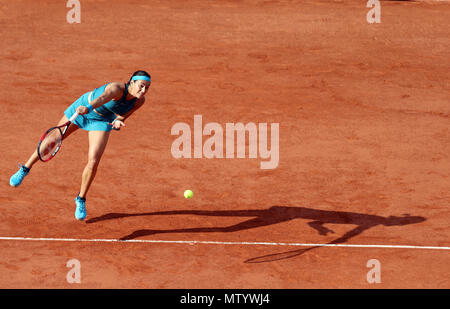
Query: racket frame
pixel 65 126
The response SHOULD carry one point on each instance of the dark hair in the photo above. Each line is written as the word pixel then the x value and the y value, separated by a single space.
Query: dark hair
pixel 139 73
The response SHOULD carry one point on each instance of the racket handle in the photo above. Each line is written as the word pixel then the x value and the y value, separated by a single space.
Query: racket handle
pixel 73 117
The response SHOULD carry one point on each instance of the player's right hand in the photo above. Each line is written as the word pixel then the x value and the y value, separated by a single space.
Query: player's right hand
pixel 82 110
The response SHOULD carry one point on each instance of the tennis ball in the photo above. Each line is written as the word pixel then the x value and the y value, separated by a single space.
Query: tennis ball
pixel 188 194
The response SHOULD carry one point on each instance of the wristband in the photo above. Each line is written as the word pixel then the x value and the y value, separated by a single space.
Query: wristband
pixel 90 107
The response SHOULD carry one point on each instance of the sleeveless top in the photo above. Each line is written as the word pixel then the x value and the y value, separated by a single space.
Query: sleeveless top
pixel 120 107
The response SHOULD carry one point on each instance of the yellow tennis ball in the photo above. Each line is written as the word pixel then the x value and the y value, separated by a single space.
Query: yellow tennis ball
pixel 188 194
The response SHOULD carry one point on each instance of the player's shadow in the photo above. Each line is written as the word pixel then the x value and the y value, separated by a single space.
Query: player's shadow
pixel 273 215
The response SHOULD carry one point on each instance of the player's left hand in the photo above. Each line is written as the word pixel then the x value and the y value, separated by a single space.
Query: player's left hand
pixel 116 124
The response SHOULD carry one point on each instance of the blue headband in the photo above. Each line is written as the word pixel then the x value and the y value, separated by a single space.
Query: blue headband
pixel 141 78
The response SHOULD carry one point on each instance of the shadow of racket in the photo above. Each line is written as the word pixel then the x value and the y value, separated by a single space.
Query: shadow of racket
pixel 279 256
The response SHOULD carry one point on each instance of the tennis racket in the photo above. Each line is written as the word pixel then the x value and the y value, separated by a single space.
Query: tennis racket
pixel 51 141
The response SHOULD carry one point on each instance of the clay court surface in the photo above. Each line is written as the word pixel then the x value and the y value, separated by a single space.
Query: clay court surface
pixel 363 113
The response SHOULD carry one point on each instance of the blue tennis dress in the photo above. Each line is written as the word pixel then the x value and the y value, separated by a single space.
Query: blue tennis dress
pixel 106 113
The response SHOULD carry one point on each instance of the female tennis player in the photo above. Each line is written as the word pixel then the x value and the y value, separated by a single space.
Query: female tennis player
pixel 101 110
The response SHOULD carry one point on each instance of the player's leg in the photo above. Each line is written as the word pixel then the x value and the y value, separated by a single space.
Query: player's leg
pixel 23 171
pixel 97 145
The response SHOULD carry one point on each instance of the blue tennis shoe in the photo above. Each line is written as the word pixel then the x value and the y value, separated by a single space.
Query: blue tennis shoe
pixel 18 177
pixel 80 211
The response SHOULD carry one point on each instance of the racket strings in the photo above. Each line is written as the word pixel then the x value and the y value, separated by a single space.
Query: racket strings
pixel 50 144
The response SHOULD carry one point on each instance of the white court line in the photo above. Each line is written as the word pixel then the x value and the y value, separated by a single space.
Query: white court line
pixel 192 242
